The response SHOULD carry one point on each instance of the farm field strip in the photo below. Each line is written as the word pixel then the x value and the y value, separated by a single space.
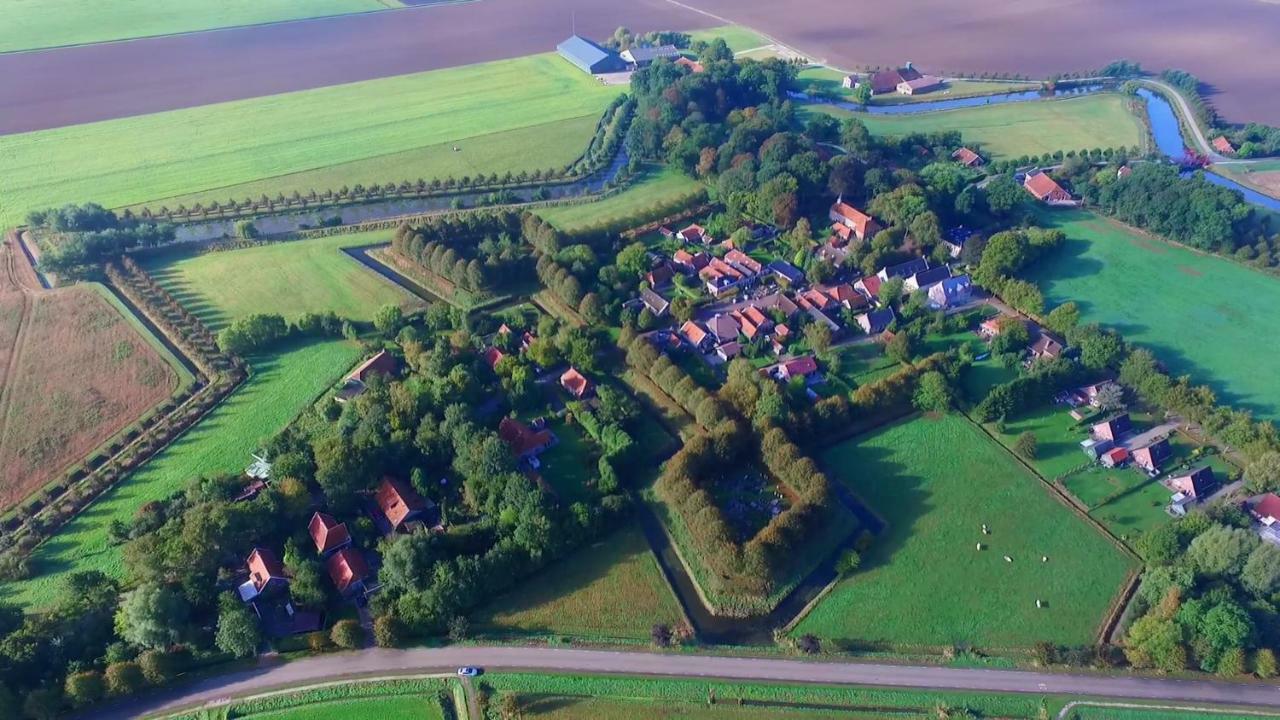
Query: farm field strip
pixel 384 708
pixel 657 188
pixel 137 159
pixel 1027 128
pixel 79 373
pixel 289 278
pixel 936 481
pixel 537 147
pixel 280 387
pixel 51 23
pixel 1201 315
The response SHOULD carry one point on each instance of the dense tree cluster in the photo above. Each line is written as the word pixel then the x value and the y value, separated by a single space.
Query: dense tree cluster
pixel 86 235
pixel 262 331
pixel 479 251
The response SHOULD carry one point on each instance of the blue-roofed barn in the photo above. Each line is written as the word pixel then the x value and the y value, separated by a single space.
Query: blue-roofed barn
pixel 590 57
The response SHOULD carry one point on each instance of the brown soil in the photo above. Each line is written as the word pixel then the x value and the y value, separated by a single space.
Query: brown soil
pixel 1269 181
pixel 75 373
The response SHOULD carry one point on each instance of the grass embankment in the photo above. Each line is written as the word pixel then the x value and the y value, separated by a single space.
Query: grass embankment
pixel 139 159
pixel 610 591
pixel 1201 315
pixel 538 147
pixel 84 369
pixel 1012 130
pixel 289 278
pixel 649 198
pixel 936 481
pixel 280 387
pixel 50 23
pixel 831 82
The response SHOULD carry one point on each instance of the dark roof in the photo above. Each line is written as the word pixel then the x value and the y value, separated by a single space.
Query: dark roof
pixel 879 319
pixel 1199 482
pixel 932 275
pixel 786 270
pixel 958 235
pixel 906 269
pixel 588 56
pixel 649 53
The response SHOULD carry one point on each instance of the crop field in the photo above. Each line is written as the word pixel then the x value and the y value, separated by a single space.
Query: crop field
pixel 50 23
pixel 138 159
pixel 538 147
pixel 610 590
pixel 648 199
pixel 622 698
pixel 936 481
pixel 1012 130
pixel 280 387
pixel 1201 315
pixel 289 278
pixel 77 373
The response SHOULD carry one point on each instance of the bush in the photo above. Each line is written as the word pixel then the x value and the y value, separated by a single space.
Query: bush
pixel 347 634
pixel 124 678
pixel 318 641
pixel 388 631
pixel 158 666
pixel 85 688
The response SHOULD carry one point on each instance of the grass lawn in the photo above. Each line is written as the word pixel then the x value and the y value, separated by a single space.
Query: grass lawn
pixel 612 590
pixel 738 38
pixel 830 81
pixel 384 708
pixel 1201 315
pixel 538 147
pixel 1089 712
pixel 1095 484
pixel 935 481
pixel 49 23
pixel 649 198
pixel 1058 438
pixel 138 159
pixel 281 387
pixel 1028 128
pixel 289 278
pixel 570 464
pixel 978 379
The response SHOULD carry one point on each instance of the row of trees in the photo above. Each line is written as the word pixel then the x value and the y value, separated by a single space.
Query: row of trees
pixel 262 331
pixel 87 235
pixel 478 251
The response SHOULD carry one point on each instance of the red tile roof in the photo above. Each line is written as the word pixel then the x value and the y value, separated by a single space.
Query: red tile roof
pixel 327 533
pixel 264 567
pixel 741 259
pixel 862 223
pixel 1268 507
pixel 383 363
pixel 693 332
pixel 397 501
pixel 575 382
pixel 521 438
pixel 1044 188
pixel 1223 145
pixel 693 65
pixel 347 567
pixel 492 357
pixel 872 284
pixel 693 233
pixel 1118 455
pixel 967 157
pixel 800 366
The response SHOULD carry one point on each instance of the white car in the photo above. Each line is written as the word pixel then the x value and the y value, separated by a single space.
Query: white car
pixel 468 671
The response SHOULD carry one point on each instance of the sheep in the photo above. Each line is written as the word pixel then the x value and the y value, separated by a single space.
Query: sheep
pixel 979 547
pixel 1044 558
pixel 1008 559
pixel 1039 604
pixel 985 529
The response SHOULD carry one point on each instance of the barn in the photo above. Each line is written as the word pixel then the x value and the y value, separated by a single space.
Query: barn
pixel 590 57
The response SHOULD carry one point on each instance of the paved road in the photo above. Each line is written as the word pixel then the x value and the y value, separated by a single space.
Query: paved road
pixel 1189 119
pixel 381 663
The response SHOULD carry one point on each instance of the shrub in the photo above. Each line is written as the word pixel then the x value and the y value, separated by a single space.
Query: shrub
pixel 347 634
pixel 124 678
pixel 318 641
pixel 85 688
pixel 158 666
pixel 388 631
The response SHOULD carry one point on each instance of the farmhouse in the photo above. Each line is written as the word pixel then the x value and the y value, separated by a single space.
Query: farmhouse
pixel 327 533
pixel 950 292
pixel 876 321
pixel 887 81
pixel 967 157
pixel 1113 429
pixel 693 65
pixel 399 504
pixel 919 86
pixel 1046 190
pixel 654 302
pixel 695 234
pixel 643 55
pixel 1190 489
pixel 348 570
pixel 1223 145
pixel 1046 347
pixel 383 363
pixel 1150 458
pixel 590 57
pixel 576 384
pixel 845 215
pixel 266 574
pixel 525 442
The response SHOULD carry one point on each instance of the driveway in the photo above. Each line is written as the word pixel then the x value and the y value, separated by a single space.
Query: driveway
pixel 389 663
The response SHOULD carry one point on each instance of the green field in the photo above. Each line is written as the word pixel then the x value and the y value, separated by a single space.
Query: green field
pixel 1200 314
pixel 280 387
pixel 1028 128
pixel 737 37
pixel 1058 438
pixel 657 189
pixel 289 278
pixel 49 23
pixel 538 147
pixel 1095 712
pixel 384 708
pixel 924 583
pixel 138 159
pixel 612 590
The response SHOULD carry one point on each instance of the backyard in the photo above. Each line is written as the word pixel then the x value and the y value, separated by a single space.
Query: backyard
pixel 280 387
pixel 289 278
pixel 1009 131
pixel 149 157
pixel 936 481
pixel 1201 315
pixel 612 590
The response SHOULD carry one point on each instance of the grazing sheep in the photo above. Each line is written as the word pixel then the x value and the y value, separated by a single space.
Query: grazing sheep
pixel 979 546
pixel 985 530
pixel 1008 559
pixel 1039 604
pixel 1044 558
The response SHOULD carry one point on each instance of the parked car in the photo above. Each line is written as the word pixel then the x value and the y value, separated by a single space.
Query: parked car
pixel 468 671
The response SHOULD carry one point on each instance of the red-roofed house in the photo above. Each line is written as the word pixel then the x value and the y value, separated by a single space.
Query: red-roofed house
pixel 887 81
pixel 348 570
pixel 1151 457
pixel 327 533
pixel 869 286
pixel 1223 145
pixel 266 573
pixel 846 296
pixel 696 335
pixel 862 224
pixel 744 262
pixel 797 367
pixel 1266 510
pixel 693 65
pixel 399 503
pixel 576 384
pixel 1046 190
pixel 492 357
pixel 1190 489
pixel 752 322
pixel 525 442
pixel 967 157
pixel 695 234
pixel 1115 457
pixel 382 363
